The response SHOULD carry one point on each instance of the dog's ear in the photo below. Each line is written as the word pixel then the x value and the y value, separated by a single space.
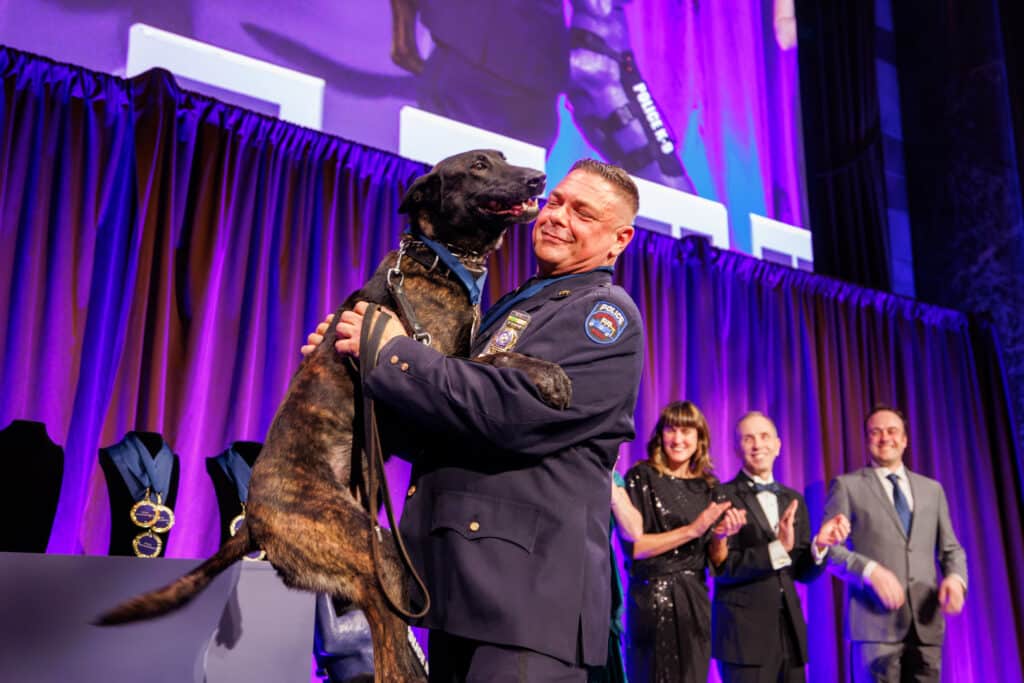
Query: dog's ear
pixel 424 190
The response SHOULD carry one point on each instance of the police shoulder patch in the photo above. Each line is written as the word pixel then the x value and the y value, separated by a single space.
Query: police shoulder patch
pixel 605 323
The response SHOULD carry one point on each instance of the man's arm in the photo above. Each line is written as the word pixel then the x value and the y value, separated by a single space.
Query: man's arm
pixel 853 567
pixel 843 562
pixel 805 569
pixel 501 406
pixel 952 559
pixel 744 561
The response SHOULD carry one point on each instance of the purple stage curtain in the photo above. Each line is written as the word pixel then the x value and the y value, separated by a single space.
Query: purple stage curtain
pixel 164 255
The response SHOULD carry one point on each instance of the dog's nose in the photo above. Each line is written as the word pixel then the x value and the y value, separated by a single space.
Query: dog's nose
pixel 536 183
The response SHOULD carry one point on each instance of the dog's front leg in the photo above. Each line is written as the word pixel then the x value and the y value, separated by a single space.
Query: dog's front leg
pixel 554 385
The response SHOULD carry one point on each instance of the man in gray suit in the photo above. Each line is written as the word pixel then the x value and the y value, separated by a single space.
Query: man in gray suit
pixel 899 525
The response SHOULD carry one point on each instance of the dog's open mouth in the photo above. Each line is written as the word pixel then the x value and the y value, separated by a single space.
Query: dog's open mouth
pixel 526 208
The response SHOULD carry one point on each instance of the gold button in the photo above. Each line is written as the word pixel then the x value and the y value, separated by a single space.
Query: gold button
pixel 412 490
pixel 474 526
pixel 394 360
pixel 404 367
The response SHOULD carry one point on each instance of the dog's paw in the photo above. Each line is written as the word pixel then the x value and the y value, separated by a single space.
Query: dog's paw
pixel 552 383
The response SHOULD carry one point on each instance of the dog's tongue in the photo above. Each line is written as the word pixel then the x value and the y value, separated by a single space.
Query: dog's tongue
pixel 516 210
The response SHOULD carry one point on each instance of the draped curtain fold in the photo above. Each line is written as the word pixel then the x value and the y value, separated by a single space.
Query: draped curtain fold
pixel 843 159
pixel 164 255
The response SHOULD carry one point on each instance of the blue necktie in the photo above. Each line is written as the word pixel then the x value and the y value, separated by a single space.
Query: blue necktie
pixel 900 501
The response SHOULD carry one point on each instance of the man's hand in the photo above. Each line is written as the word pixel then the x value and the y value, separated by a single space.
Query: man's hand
pixel 832 532
pixel 786 533
pixel 951 595
pixel 731 523
pixel 350 327
pixel 887 587
pixel 314 339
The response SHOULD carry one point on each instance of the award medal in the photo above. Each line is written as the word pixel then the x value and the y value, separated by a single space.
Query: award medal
pixel 147 476
pixel 164 518
pixel 147 544
pixel 235 526
pixel 507 336
pixel 144 513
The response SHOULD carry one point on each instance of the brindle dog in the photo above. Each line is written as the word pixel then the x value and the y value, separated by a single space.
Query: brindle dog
pixel 307 500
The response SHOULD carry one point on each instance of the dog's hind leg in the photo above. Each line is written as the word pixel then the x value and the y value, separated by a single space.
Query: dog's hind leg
pixel 330 553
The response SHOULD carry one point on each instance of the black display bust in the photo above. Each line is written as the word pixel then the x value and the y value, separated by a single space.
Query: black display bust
pixel 122 529
pixel 30 486
pixel 227 493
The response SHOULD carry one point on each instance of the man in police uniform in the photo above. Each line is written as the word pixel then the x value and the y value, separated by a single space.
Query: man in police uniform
pixel 507 514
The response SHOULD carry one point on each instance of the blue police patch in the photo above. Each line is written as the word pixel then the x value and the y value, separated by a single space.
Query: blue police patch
pixel 605 323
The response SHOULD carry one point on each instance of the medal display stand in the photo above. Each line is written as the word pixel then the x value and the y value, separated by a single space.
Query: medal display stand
pixel 126 536
pixel 227 492
pixel 30 487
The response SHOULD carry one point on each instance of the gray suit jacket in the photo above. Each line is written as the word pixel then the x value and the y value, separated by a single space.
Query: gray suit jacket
pixel 878 535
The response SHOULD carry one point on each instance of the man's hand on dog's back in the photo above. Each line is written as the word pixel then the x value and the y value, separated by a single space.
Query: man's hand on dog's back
pixel 350 328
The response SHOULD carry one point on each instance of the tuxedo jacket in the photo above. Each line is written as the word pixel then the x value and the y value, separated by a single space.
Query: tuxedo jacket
pixel 748 592
pixel 877 534
pixel 507 513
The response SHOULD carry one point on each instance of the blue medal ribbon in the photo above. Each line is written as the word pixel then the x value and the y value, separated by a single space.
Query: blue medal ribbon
pixel 237 470
pixel 506 302
pixel 474 286
pixel 140 469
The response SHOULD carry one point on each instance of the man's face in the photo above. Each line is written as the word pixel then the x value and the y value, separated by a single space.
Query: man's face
pixel 585 224
pixel 887 439
pixel 759 445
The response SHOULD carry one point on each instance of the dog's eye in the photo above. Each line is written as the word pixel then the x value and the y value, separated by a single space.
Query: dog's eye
pixel 479 165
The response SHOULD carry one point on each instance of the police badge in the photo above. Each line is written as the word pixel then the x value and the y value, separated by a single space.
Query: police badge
pixel 507 336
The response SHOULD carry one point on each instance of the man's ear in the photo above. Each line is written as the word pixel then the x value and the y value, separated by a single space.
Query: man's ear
pixel 623 236
pixel 424 190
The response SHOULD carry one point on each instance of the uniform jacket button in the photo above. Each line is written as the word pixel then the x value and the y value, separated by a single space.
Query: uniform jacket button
pixel 404 367
pixel 394 360
pixel 474 525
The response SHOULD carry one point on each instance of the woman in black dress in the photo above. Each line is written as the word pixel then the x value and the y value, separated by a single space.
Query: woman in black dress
pixel 669 616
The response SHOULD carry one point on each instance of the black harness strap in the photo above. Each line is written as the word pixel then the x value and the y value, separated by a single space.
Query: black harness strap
pixel 406 313
pixel 369 346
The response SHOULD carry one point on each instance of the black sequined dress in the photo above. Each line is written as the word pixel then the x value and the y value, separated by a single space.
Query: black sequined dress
pixel 669 613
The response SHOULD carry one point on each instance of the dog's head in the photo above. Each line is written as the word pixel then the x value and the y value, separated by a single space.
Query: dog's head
pixel 470 199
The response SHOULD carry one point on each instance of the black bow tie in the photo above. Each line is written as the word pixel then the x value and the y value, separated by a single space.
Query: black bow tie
pixel 772 487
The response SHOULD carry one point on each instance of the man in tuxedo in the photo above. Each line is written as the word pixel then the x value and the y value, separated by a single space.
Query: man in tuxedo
pixel 900 526
pixel 758 629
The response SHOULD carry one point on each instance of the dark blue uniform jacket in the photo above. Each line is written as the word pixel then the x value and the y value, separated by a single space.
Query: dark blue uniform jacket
pixel 507 513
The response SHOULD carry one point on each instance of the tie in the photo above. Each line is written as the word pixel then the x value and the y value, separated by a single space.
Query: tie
pixel 900 501
pixel 772 487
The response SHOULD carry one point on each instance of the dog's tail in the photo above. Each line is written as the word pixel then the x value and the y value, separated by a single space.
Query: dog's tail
pixel 177 594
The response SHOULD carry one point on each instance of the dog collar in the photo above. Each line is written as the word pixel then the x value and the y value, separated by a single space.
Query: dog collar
pixel 474 285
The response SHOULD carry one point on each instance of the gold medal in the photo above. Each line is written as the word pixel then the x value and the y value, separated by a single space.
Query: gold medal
pixel 147 544
pixel 144 513
pixel 236 522
pixel 164 517
pixel 233 528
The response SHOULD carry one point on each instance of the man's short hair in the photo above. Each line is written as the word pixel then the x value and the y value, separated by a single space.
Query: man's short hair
pixel 616 176
pixel 753 413
pixel 885 408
